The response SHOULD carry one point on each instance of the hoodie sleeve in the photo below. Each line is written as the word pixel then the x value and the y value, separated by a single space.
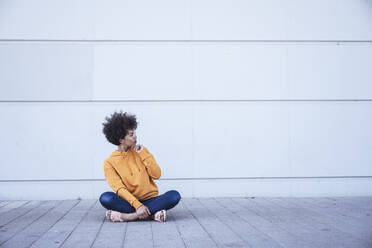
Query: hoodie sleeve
pixel 148 160
pixel 114 180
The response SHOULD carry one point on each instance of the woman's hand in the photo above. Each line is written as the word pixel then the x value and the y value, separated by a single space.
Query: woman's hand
pixel 138 148
pixel 143 212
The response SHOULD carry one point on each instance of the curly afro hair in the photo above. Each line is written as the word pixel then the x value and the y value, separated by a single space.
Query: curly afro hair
pixel 117 125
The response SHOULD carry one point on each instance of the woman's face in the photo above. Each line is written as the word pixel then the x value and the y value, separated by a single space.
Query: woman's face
pixel 130 139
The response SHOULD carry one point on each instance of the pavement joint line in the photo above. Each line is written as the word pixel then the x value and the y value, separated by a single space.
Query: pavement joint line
pixel 253 226
pixel 320 214
pixel 26 203
pixel 54 223
pixel 275 224
pixel 177 228
pixel 334 221
pixel 290 234
pixel 21 230
pixel 98 232
pixel 217 217
pixel 125 235
pixel 205 230
pixel 81 220
pixel 286 209
pixel 152 234
pixel 6 204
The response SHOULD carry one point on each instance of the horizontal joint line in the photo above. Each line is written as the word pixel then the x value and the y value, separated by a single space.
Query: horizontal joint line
pixel 183 41
pixel 184 100
pixel 188 179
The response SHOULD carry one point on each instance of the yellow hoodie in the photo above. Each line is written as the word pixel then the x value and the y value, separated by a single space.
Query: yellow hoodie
pixel 130 175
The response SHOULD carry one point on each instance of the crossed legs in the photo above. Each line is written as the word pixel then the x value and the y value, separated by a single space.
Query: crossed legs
pixel 120 210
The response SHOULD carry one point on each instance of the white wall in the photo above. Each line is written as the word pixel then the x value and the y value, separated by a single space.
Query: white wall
pixel 234 98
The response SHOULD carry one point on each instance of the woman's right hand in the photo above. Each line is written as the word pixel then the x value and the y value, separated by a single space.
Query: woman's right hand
pixel 143 212
pixel 138 148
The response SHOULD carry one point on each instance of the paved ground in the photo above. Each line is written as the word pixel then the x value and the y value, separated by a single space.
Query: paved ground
pixel 194 222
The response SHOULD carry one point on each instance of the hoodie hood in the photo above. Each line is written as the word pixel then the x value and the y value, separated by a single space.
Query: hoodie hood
pixel 125 155
pixel 117 153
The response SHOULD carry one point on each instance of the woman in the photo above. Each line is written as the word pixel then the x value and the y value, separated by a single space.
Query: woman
pixel 130 171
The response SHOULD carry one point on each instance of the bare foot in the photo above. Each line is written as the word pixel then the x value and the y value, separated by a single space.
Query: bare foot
pixel 116 216
pixel 161 216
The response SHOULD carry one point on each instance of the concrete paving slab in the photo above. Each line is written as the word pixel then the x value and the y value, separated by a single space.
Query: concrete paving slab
pixel 53 212
pixel 304 226
pixel 263 223
pixel 251 235
pixel 56 236
pixel 166 234
pixel 17 212
pixel 3 203
pixel 87 230
pixel 111 234
pixel 12 205
pixel 19 224
pixel 194 222
pixel 191 231
pixel 221 233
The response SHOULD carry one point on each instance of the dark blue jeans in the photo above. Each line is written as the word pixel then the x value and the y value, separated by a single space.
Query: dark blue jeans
pixel 168 200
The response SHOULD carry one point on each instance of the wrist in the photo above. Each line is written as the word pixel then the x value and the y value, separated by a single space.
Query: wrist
pixel 137 204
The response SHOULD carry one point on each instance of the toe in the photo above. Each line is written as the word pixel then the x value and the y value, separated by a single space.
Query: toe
pixel 159 216
pixel 116 216
pixel 164 215
pixel 156 216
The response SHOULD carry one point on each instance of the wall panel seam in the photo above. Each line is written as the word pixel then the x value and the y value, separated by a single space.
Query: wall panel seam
pixel 196 178
pixel 185 41
pixel 185 100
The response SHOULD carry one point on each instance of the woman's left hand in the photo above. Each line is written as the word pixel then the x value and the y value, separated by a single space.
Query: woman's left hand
pixel 138 148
